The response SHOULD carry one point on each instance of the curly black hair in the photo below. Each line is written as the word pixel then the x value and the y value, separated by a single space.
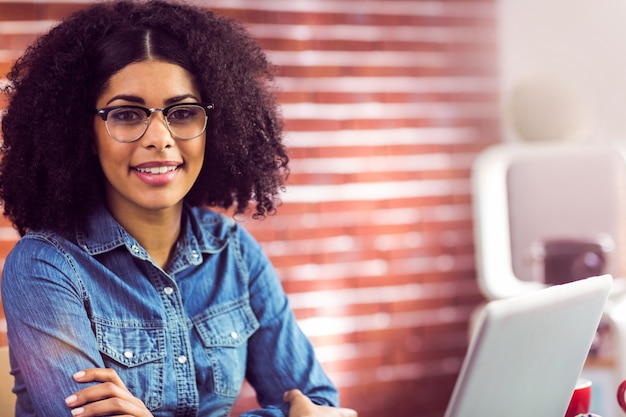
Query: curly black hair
pixel 49 175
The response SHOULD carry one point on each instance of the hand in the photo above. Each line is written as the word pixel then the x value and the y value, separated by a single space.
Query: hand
pixel 110 397
pixel 301 406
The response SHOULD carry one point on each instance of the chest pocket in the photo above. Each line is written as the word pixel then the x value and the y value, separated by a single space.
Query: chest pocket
pixel 224 331
pixel 136 351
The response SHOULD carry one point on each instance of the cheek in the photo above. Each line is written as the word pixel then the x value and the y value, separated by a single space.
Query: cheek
pixel 200 152
pixel 195 152
pixel 111 155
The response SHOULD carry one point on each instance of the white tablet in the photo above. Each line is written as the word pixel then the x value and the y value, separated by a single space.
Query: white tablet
pixel 527 352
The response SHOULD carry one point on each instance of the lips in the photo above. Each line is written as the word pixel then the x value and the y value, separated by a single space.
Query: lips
pixel 157 173
pixel 156 170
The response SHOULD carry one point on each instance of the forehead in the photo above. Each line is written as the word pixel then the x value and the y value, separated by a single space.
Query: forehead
pixel 150 80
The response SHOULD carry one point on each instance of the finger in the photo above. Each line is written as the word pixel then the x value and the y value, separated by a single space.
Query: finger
pixel 99 375
pixel 291 395
pixel 110 385
pixel 348 412
pixel 108 407
pixel 96 393
pixel 294 394
pixel 105 399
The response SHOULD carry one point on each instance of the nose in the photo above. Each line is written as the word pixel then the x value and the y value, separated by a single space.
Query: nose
pixel 157 135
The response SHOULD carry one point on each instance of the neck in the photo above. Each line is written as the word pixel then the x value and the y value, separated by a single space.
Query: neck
pixel 156 231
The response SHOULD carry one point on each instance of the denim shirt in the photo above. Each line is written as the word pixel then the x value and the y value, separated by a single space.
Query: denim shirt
pixel 182 339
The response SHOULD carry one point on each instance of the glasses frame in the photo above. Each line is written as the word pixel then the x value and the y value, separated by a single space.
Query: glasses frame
pixel 104 114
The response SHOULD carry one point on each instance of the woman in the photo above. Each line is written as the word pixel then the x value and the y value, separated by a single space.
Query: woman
pixel 125 296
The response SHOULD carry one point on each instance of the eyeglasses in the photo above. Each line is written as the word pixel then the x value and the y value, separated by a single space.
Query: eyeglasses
pixel 129 123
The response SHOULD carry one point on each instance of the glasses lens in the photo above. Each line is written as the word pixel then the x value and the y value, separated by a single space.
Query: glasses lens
pixel 187 121
pixel 126 124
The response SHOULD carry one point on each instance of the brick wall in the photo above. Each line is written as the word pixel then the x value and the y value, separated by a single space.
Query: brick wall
pixel 386 105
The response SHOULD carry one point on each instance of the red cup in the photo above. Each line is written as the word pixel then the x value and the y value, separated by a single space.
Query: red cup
pixel 621 389
pixel 581 398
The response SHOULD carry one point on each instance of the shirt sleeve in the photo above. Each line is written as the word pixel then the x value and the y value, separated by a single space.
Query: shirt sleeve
pixel 280 356
pixel 50 336
pixel 269 411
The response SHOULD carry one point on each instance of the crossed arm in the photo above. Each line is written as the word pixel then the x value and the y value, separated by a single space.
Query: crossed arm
pixel 111 397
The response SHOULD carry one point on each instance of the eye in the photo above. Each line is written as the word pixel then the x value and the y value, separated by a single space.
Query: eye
pixel 184 114
pixel 126 115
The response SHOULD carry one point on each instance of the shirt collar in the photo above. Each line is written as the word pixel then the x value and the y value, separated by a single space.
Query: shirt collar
pixel 202 231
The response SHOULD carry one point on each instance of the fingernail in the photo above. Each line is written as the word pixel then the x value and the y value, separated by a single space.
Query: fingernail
pixel 79 374
pixel 69 400
pixel 78 411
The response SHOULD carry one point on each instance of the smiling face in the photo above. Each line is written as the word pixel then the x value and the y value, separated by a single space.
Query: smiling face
pixel 156 171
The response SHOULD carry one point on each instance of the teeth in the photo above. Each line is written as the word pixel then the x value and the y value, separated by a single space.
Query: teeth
pixel 157 170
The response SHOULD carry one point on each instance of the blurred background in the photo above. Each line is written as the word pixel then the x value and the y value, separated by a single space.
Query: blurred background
pixel 387 105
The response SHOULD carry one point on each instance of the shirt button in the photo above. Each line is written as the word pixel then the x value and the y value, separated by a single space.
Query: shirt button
pixel 135 248
pixel 194 254
pixel 234 335
pixel 128 354
pixel 168 290
pixel 182 359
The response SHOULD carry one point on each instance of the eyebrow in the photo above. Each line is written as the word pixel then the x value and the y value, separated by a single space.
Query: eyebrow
pixel 139 100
